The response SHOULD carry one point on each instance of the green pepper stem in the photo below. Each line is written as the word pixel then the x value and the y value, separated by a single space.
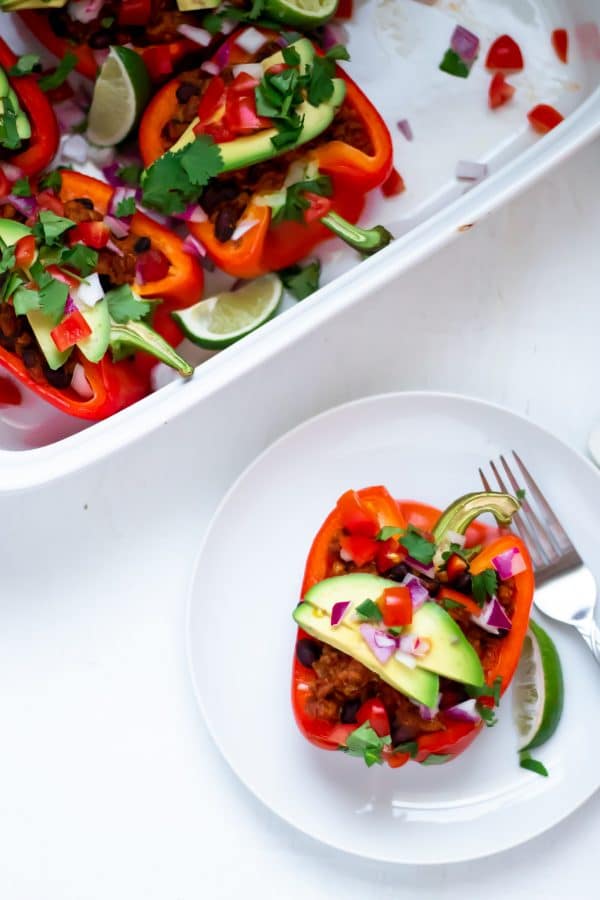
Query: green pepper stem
pixel 365 240
pixel 459 515
pixel 140 336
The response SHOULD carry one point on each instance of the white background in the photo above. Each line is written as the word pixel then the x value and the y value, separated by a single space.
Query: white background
pixel 109 784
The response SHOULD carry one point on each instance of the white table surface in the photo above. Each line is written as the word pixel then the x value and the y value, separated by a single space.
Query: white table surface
pixel 110 786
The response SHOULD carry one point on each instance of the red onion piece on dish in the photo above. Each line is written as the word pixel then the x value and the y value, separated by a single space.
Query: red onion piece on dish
pixel 466 170
pixel 414 645
pixel 84 10
pixel 13 173
pixel 464 712
pixel 368 633
pixel 222 55
pixel 119 227
pixel 210 67
pixel 405 129
pixel 418 592
pixel 465 43
pixel 69 114
pixel 70 306
pixel 193 247
pixel 428 713
pixel 75 148
pixel 428 571
pixel 25 205
pixel 80 384
pixel 115 249
pixel 509 563
pixel 199 36
pixel 338 611
pixel 493 617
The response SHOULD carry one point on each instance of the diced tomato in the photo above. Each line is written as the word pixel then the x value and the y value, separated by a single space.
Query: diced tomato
pixel 25 251
pixel 158 61
pixel 319 207
pixel 218 131
pixel 48 200
pixel 393 185
pixel 560 42
pixel 356 517
pixel 374 712
pixel 240 114
pixel 500 91
pixel 133 12
pixel 455 566
pixel 212 99
pixel 276 69
pixel 73 328
pixel 360 550
pixel 61 275
pixel 344 9
pixel 544 118
pixel 396 607
pixel 93 234
pixel 390 553
pixel 243 83
pixel 10 395
pixel 152 265
pixel 505 54
pixel 5 185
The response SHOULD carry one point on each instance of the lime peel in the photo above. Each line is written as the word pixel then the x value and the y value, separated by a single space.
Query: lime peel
pixel 538 693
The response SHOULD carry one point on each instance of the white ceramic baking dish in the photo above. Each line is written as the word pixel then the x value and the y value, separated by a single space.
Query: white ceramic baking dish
pixel 396 47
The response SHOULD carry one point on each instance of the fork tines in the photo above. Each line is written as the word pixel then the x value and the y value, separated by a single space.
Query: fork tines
pixel 536 523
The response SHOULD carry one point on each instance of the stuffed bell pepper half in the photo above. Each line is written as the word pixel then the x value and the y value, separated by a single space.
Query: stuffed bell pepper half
pixel 268 155
pixel 87 287
pixel 410 626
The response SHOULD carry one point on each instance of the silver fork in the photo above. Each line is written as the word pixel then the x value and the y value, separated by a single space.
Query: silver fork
pixel 565 587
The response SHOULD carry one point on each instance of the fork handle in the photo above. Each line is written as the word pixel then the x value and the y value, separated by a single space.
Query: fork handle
pixel 591 635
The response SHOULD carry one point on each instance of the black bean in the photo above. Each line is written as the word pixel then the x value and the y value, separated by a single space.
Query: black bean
pixel 30 357
pixel 432 586
pixel 218 192
pixel 225 223
pixel 349 711
pixel 463 583
pixel 99 39
pixel 308 652
pixel 185 91
pixel 398 573
pixel 105 282
pixel 142 244
pixel 58 378
pixel 85 201
pixel 58 23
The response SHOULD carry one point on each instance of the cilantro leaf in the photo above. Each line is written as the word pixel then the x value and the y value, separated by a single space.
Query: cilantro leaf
pixel 201 160
pixel 11 283
pixel 54 79
pixel 52 298
pixel 436 759
pixel 107 21
pixel 521 494
pixel 52 181
pixel 487 714
pixel 25 64
pixel 81 258
pixel 212 22
pixel 7 257
pixel 295 202
pixel 448 604
pixel 486 690
pixel 364 741
pixel 125 207
pixel 338 51
pixel 368 609
pixel 21 188
pixel 484 585
pixel 130 174
pixel 533 765
pixel 9 136
pixel 291 57
pixel 49 226
pixel 173 181
pixel 287 134
pixel 419 547
pixel 257 8
pixel 124 306
pixel 410 747
pixel 25 299
pixel 320 85
pixel 388 531
pixel 301 281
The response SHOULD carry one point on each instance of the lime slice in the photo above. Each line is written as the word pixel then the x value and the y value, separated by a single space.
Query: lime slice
pixel 225 318
pixel 120 95
pixel 301 13
pixel 538 689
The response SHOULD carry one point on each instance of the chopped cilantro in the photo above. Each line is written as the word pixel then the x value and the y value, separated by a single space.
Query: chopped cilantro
pixel 295 202
pixel 25 299
pixel 53 297
pixel 212 22
pixel 52 181
pixel 25 64
pixel 521 494
pixel 338 51
pixel 79 257
pixel 320 85
pixel 484 585
pixel 436 759
pixel 419 547
pixel 9 136
pixel 488 715
pixel 389 531
pixel 257 8
pixel 410 747
pixel 466 553
pixel 7 257
pixel 301 281
pixel 174 180
pixel 364 741
pixel 11 284
pixel 125 207
pixel 368 609
pixel 454 65
pixel 288 134
pixel 201 160
pixel 49 226
pixel 54 79
pixel 130 174
pixel 124 306
pixel 448 604
pixel 107 21
pixel 21 188
pixel 533 765
pixel 486 690
pixel 291 57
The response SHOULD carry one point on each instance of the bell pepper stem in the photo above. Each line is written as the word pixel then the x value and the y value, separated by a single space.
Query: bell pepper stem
pixel 459 515
pixel 365 240
pixel 140 336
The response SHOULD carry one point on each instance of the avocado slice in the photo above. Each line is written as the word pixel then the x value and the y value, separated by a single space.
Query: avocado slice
pixel 451 655
pixel 11 232
pixel 190 5
pixel 256 148
pixel 95 345
pixel 416 683
pixel 13 5
pixel 41 327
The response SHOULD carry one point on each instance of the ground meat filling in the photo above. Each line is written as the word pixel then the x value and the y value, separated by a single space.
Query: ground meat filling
pixel 161 27
pixel 342 684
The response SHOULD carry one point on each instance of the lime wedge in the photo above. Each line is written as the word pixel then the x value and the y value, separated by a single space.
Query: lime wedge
pixel 221 320
pixel 301 13
pixel 120 95
pixel 538 690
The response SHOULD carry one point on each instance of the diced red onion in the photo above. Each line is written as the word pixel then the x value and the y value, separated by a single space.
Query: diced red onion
pixel 100 56
pixel 155 216
pixel 193 247
pixel 70 306
pixel 75 147
pixel 110 173
pixel 464 712
pixel 82 96
pixel 242 229
pixel 115 249
pixel 368 633
pixel 251 40
pixel 413 644
pixel 466 170
pixel 465 43
pixel 222 55
pixel 192 213
pixel 493 617
pixel 404 127
pixel 119 227
pixel 199 36
pixel 338 611
pixel 509 563
pixel 25 205
pixel 119 194
pixel 418 592
pixel 69 114
pixel 332 35
pixel 407 659
pixel 384 640
pixel 428 571
pixel 84 10
pixel 428 713
pixel 90 291
pixel 254 70
pixel 80 384
pixel 227 26
pixel 210 67
pixel 13 173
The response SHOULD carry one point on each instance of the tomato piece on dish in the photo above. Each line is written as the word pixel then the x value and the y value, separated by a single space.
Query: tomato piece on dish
pixel 356 517
pixel 505 54
pixel 543 118
pixel 393 185
pixel 500 91
pixel 390 553
pixel 92 234
pixel 25 251
pixel 560 42
pixel 373 711
pixel 396 607
pixel 358 549
pixel 72 329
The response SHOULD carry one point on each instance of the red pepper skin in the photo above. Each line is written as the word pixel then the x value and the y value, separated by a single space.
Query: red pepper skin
pixel 560 42
pixel 71 330
pixel 37 22
pixel 456 736
pixel 43 143
pixel 393 185
pixel 543 118
pixel 264 248
pixel 93 234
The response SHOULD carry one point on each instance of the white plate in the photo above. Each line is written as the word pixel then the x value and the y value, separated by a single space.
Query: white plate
pixel 241 634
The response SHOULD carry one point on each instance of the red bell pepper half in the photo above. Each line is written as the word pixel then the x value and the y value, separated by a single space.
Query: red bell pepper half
pixel 499 661
pixel 43 143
